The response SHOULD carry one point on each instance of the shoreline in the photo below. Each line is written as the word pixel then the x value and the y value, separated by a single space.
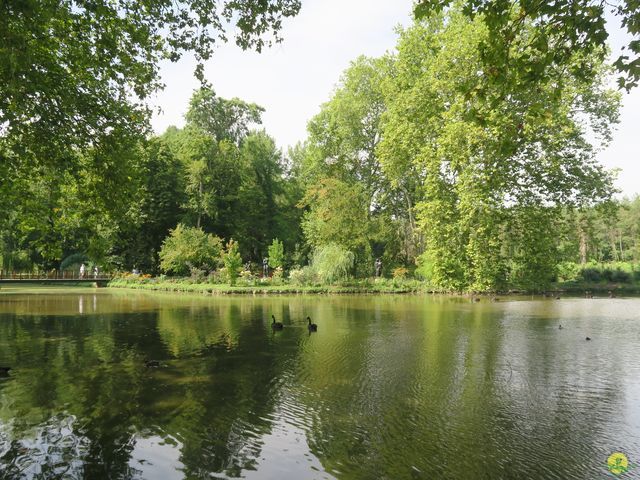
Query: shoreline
pixel 415 288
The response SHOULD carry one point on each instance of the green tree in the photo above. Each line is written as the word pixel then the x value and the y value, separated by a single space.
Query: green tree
pixel 337 214
pixel 186 248
pixel 342 145
pixel 262 196
pixel 209 147
pixel 332 262
pixel 220 118
pixel 232 261
pixel 483 158
pixel 276 254
pixel 155 206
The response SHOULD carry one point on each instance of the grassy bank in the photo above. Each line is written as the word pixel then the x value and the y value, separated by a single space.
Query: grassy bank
pixel 574 279
pixel 188 285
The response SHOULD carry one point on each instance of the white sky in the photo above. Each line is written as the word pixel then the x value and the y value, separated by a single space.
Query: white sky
pixel 293 78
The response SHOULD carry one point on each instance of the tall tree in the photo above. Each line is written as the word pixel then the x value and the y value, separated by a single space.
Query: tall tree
pixel 486 158
pixel 342 146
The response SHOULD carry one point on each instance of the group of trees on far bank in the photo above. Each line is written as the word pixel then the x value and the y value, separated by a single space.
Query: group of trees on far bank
pixel 468 174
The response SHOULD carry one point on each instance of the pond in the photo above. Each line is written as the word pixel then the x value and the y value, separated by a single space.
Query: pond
pixel 120 384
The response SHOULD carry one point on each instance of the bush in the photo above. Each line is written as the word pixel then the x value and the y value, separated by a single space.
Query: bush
pixel 277 276
pixel 332 263
pixel 276 254
pixel 247 277
pixel 612 272
pixel 590 274
pixel 301 276
pixel 620 276
pixel 198 275
pixel 400 273
pixel 568 271
pixel 186 248
pixel 232 261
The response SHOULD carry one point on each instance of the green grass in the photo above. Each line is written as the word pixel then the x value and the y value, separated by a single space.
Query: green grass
pixel 188 285
pixel 572 278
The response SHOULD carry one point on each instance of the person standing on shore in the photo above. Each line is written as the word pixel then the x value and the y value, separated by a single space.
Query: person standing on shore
pixel 82 270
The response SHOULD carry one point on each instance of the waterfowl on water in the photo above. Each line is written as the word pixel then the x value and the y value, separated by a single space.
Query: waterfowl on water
pixel 151 363
pixel 312 326
pixel 276 325
pixel 559 327
pixel 475 299
pixel 4 371
pixel 587 339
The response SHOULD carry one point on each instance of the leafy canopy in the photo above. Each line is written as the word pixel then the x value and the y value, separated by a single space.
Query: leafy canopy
pixel 560 29
pixel 75 71
pixel 491 157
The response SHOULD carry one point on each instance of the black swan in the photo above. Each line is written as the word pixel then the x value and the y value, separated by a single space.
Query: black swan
pixel 276 325
pixel 312 326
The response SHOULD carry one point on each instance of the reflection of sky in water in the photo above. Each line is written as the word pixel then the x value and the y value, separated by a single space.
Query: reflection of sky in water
pixel 156 458
pixel 286 454
pixel 282 454
pixel 52 449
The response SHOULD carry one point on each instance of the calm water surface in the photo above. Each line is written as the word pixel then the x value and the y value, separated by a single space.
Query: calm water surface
pixel 390 387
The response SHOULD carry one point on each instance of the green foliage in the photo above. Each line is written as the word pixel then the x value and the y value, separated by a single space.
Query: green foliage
pixel 560 28
pixel 475 164
pixel 341 169
pixel 72 260
pixel 232 261
pixel 331 263
pixel 496 161
pixel 400 273
pixel 276 254
pixel 424 267
pixel 300 276
pixel 186 248
pixel 222 119
pixel 155 206
pixel 84 68
pixel 337 214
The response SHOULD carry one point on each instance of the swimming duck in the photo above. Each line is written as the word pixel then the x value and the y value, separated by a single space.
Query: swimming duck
pixel 276 325
pixel 151 363
pixel 312 326
pixel 4 371
pixel 587 339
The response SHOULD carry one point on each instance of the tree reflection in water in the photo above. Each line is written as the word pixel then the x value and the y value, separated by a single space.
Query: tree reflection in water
pixel 389 387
